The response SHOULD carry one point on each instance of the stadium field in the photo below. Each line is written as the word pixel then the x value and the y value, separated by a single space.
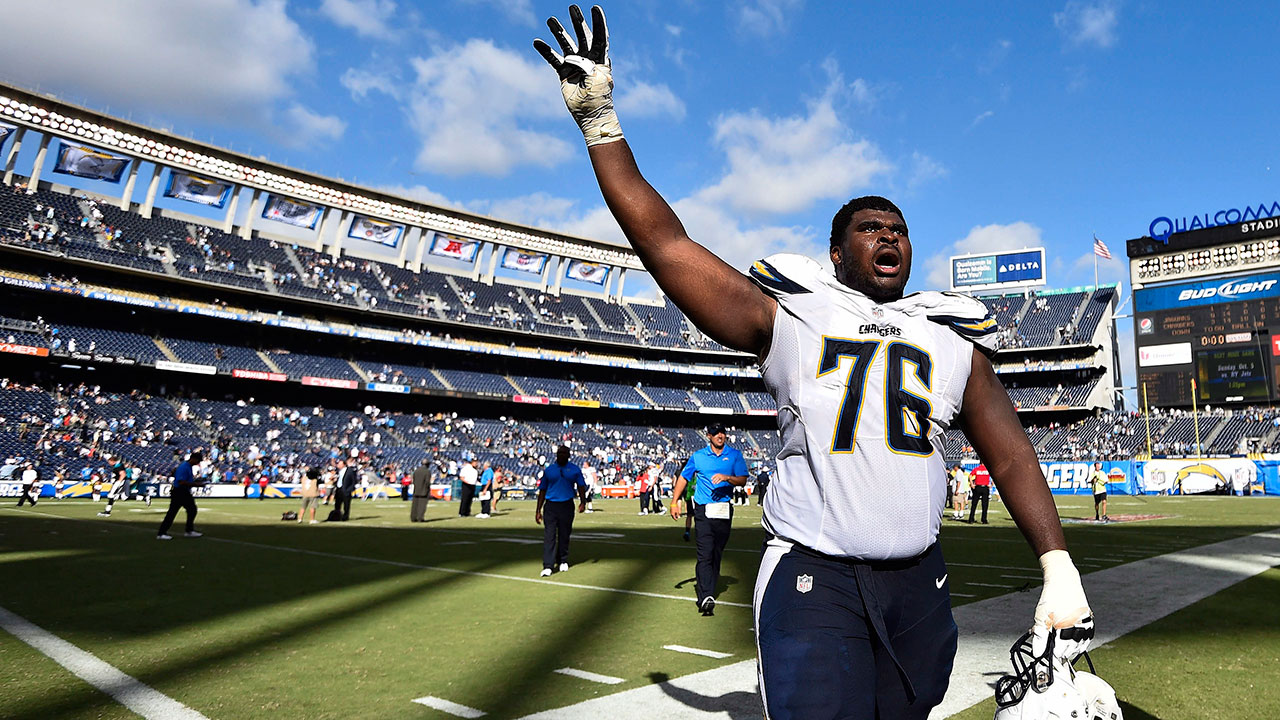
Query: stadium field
pixel 358 620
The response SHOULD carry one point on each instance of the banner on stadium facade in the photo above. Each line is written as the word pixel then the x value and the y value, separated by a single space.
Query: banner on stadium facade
pixel 626 406
pixel 762 412
pixel 292 212
pixel 378 231
pixel 197 189
pixel 193 368
pixel 452 246
pixel 5 132
pixel 514 259
pixel 387 387
pixel 87 162
pixel 330 382
pixel 531 399
pixel 573 402
pixel 714 411
pixel 586 272
pixel 1207 292
pixel 259 375
pixel 24 350
pixel 1198 475
pixel 989 270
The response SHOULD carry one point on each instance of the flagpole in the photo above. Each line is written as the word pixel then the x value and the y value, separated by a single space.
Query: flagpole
pixel 1195 416
pixel 1146 410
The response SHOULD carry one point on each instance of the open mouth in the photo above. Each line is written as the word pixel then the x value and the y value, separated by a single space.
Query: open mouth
pixel 887 262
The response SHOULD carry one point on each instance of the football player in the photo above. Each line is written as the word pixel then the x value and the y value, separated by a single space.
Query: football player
pixel 852 607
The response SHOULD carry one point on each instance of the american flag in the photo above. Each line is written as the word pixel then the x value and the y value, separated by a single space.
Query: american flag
pixel 1100 249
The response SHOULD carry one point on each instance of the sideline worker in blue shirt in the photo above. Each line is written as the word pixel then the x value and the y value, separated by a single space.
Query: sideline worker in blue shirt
pixel 184 480
pixel 717 469
pixel 560 482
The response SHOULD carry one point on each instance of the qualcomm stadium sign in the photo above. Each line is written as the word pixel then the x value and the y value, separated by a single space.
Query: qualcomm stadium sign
pixel 1162 227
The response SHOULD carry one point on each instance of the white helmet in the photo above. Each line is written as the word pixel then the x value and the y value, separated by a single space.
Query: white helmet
pixel 1044 686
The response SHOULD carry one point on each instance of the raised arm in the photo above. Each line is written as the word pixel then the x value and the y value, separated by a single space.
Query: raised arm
pixel 721 301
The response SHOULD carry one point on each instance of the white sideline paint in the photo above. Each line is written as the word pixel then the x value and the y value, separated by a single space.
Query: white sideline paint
pixel 698 651
pixel 452 708
pixel 593 677
pixel 1124 598
pixel 126 690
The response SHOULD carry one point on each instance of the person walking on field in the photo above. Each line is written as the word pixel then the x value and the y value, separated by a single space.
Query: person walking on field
pixel 718 470
pixel 561 481
pixel 959 492
pixel 421 491
pixel 310 493
pixel 1098 483
pixel 180 497
pixel 980 481
pixel 852 608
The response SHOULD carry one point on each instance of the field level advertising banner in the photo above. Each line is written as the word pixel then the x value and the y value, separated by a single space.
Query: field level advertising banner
pixel 383 233
pixel 196 189
pixel 291 212
pixel 452 246
pixel 523 261
pixel 86 162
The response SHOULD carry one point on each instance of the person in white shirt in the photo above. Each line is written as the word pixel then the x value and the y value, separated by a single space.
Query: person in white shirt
pixel 29 482
pixel 468 475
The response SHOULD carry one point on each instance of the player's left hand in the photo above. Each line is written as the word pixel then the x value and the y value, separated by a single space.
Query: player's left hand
pixel 586 75
pixel 1063 608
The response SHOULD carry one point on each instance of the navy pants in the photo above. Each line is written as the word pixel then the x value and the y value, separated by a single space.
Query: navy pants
pixel 557 523
pixel 844 639
pixel 179 499
pixel 713 535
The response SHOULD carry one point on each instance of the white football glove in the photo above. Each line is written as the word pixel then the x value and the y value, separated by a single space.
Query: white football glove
pixel 1063 608
pixel 586 77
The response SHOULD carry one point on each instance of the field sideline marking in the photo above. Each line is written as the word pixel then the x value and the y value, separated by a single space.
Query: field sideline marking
pixel 698 651
pixel 593 677
pixel 125 689
pixel 452 708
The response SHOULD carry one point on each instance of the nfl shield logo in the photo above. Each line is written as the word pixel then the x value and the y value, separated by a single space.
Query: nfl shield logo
pixel 804 583
pixel 877 313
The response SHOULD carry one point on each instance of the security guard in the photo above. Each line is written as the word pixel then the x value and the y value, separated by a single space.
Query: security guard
pixel 717 469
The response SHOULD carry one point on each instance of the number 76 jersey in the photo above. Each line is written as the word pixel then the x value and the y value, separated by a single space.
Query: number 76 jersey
pixel 865 391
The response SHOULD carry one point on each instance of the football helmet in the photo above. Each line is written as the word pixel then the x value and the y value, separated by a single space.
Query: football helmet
pixel 1044 686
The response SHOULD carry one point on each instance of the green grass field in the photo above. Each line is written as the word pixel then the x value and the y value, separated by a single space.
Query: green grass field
pixel 356 620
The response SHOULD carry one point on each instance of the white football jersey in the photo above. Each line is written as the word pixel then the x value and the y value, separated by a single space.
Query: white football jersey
pixel 865 391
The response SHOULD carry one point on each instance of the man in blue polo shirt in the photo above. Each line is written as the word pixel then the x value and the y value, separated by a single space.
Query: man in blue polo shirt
pixel 717 469
pixel 560 482
pixel 184 481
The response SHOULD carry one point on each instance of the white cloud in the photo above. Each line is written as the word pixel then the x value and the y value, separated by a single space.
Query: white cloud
pixel 225 59
pixel 643 99
pixel 369 18
pixel 767 17
pixel 303 127
pixel 1088 23
pixel 923 169
pixel 981 239
pixel 782 165
pixel 982 117
pixel 469 105
pixel 362 82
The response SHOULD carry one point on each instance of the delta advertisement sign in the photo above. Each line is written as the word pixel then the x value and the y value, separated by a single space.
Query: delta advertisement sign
pixel 1209 292
pixel 1024 267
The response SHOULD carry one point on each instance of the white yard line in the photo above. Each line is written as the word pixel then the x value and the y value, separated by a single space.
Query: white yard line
pixel 593 677
pixel 1124 598
pixel 126 690
pixel 452 708
pixel 698 651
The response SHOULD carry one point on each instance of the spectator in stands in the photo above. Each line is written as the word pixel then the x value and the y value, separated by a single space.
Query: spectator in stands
pixel 561 481
pixel 180 496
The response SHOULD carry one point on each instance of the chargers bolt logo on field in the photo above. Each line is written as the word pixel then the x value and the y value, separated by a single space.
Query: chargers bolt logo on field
pixel 804 583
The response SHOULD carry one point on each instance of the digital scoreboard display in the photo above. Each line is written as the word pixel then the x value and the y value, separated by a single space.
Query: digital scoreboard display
pixel 1223 334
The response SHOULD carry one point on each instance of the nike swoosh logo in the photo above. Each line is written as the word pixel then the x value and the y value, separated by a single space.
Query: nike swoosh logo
pixel 940 581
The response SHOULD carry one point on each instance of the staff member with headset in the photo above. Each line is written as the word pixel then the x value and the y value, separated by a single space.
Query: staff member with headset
pixel 560 482
pixel 717 469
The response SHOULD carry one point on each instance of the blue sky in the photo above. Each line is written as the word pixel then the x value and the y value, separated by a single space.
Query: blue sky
pixel 993 125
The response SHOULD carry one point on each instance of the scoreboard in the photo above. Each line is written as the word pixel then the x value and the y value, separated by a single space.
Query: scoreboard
pixel 1221 333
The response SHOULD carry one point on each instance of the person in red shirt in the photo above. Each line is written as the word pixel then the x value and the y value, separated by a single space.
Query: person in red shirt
pixel 981 491
pixel 643 484
pixel 262 486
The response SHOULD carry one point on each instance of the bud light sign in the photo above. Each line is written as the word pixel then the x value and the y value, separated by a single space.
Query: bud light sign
pixel 1253 287
pixel 1024 267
